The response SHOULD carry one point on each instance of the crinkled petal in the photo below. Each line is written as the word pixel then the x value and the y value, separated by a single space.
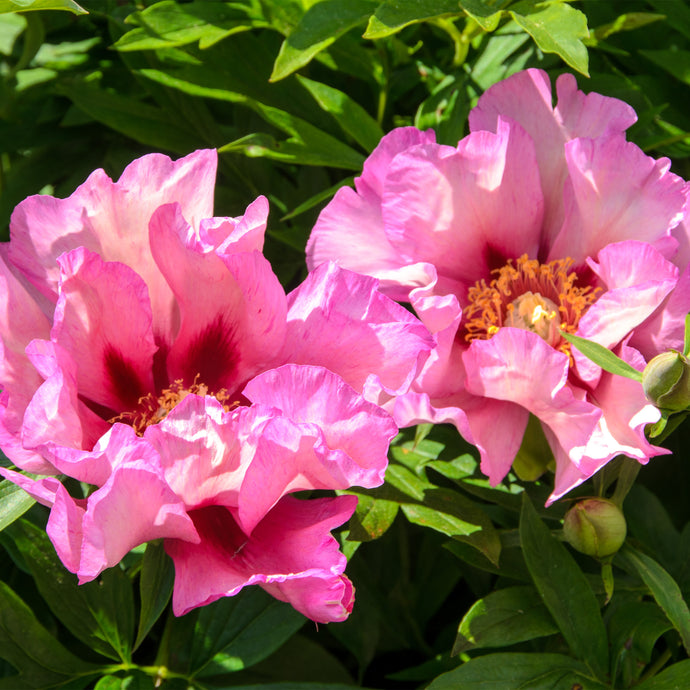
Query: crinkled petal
pixel 518 366
pixel 111 219
pixel 638 280
pixel 291 543
pixel 134 506
pixel 526 98
pixel 56 416
pixel 232 307
pixel 338 320
pixel 204 450
pixel 614 193
pixel 103 319
pixel 328 437
pixel 466 210
pixel 235 235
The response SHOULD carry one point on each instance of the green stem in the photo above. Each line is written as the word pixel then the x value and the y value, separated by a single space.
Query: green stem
pixel 460 40
pixel 656 666
pixel 628 473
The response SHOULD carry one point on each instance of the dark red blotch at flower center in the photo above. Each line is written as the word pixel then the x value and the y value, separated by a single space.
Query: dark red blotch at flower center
pixel 543 298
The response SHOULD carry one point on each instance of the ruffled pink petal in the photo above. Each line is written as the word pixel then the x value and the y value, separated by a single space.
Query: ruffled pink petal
pixel 103 319
pixel 235 235
pixel 665 329
pixel 203 450
pixel 65 528
pixel 111 219
pixel 21 320
pixel 56 416
pixel 291 543
pixel 615 193
pixel 466 210
pixel 518 366
pixel 328 437
pixel 232 307
pixel 338 320
pixel 638 279
pixel 526 98
pixel 41 490
pixel 134 506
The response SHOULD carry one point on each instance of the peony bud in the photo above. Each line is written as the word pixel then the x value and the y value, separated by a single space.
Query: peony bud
pixel 595 526
pixel 666 381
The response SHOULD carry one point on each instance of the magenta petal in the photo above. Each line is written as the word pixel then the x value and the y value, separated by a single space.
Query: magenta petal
pixel 291 543
pixel 466 210
pixel 518 366
pixel 615 193
pixel 203 450
pixel 134 506
pixel 235 235
pixel 232 307
pixel 65 528
pixel 338 320
pixel 103 319
pixel 526 98
pixel 56 416
pixel 111 219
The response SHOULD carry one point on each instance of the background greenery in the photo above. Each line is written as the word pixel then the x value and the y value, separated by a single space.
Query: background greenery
pixel 458 585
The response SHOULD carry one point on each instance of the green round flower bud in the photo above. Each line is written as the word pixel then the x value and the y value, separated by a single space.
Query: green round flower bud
pixel 595 527
pixel 666 381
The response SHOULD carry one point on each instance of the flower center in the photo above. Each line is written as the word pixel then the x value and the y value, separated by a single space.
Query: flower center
pixel 542 298
pixel 151 409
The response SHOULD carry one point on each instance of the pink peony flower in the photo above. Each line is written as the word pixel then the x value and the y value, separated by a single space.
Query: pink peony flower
pixel 126 328
pixel 543 218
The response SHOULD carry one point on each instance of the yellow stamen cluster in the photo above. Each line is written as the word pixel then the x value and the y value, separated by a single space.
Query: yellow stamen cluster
pixel 548 287
pixel 151 409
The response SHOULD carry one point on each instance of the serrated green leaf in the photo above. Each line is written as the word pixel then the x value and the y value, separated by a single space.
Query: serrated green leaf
pixel 168 24
pixel 486 13
pixel 565 591
pixel 556 27
pixel 518 672
pixel 27 5
pixel 14 502
pixel 155 587
pixel 393 15
pixel 320 26
pixel 38 657
pixel 99 613
pixel 664 589
pixel 504 617
pixel 349 114
pixel 603 357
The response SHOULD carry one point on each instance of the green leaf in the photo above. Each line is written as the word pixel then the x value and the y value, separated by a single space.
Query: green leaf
pixel 143 123
pixel 556 27
pixel 664 589
pixel 518 672
pixel 155 587
pixel 565 591
pixel 686 338
pixel 99 613
pixel 625 22
pixel 504 617
pixel 677 14
pixel 320 26
pixel 393 15
pixel 372 518
pixel 675 62
pixel 349 114
pixel 135 680
pixel 672 678
pixel 243 629
pixel 38 657
pixel 26 5
pixel 14 502
pixel 634 628
pixel 603 357
pixel 168 24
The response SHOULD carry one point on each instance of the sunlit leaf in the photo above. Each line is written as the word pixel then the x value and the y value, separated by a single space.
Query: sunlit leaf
pixel 603 357
pixel 26 5
pixel 393 15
